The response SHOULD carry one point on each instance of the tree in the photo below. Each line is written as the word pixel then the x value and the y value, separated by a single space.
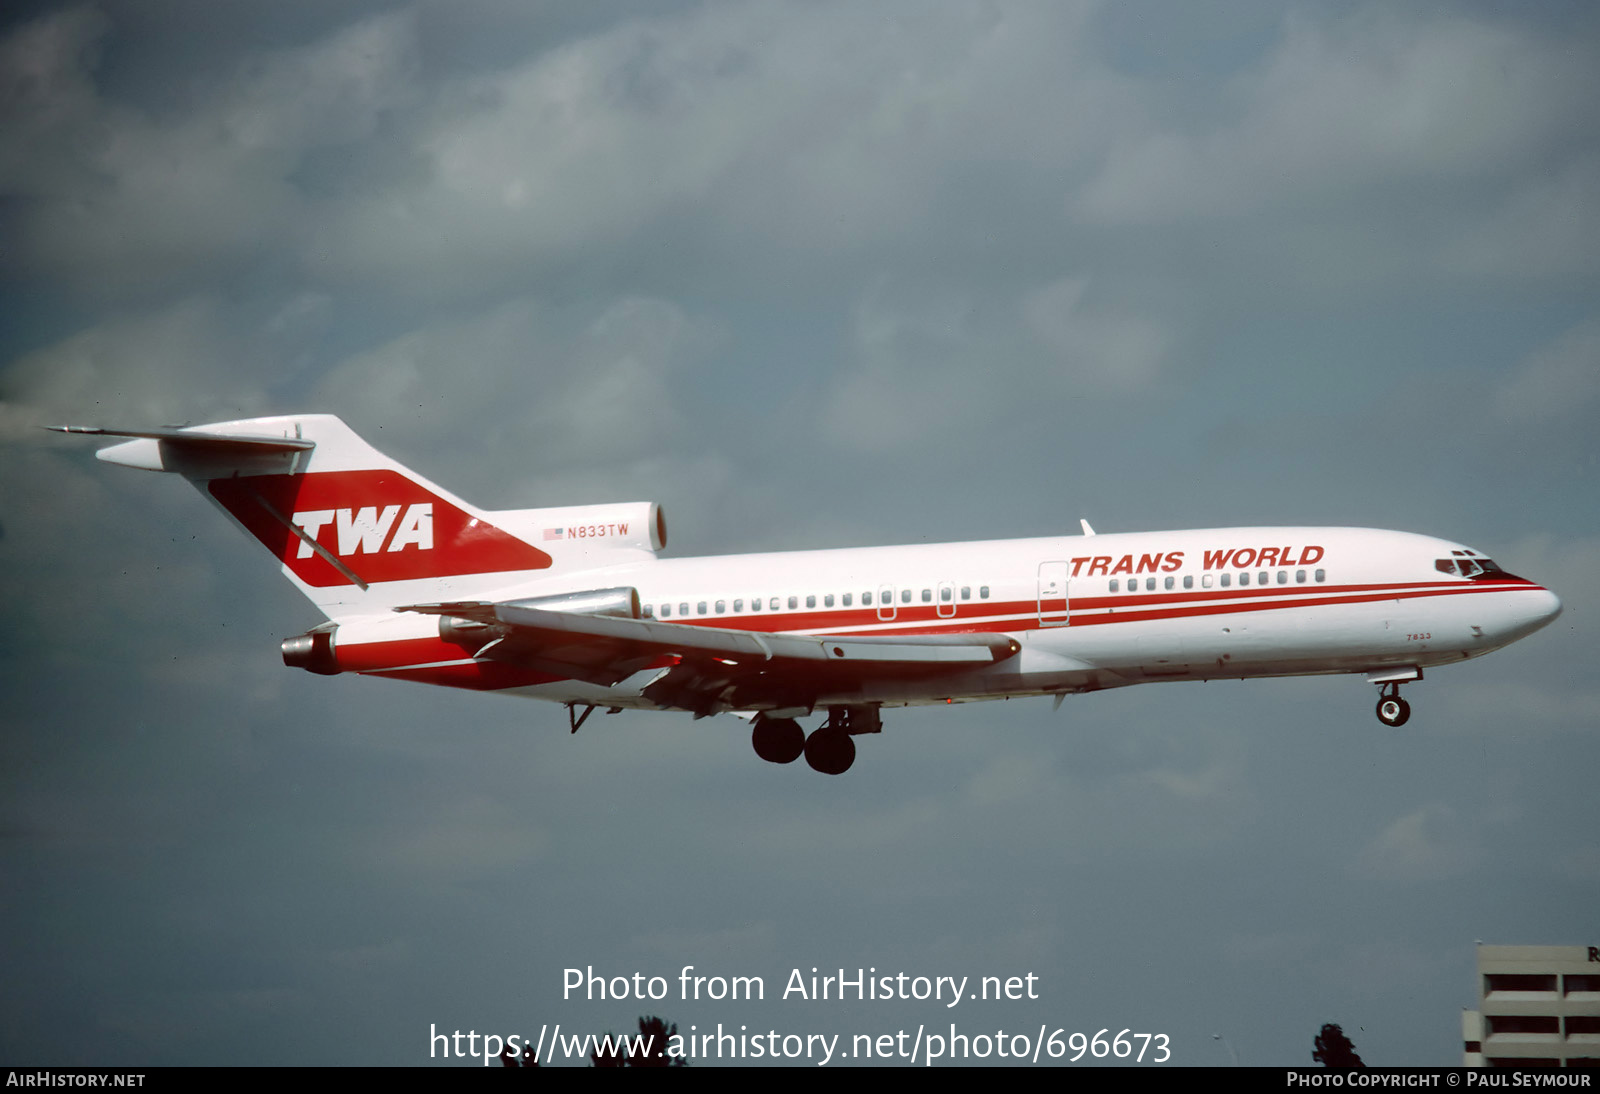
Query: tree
pixel 611 1051
pixel 509 1059
pixel 1334 1049
pixel 659 1033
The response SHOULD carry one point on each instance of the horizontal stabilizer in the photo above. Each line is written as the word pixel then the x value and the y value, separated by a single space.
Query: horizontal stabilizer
pixel 190 437
pixel 191 451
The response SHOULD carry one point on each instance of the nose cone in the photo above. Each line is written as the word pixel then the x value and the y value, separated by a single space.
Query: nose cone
pixel 1535 607
pixel 1545 607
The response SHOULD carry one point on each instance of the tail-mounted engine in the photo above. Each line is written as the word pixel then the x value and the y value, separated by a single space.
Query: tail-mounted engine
pixel 313 652
pixel 476 626
pixel 641 525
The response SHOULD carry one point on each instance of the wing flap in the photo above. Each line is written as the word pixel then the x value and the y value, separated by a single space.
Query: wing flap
pixel 704 662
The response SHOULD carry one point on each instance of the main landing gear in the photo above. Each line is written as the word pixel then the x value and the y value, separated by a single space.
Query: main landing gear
pixel 829 749
pixel 1392 710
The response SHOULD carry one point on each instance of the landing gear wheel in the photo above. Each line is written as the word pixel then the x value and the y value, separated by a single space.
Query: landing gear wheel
pixel 1393 710
pixel 830 752
pixel 778 740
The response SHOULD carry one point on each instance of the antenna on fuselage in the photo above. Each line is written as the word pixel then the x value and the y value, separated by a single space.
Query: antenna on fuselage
pixel 1086 529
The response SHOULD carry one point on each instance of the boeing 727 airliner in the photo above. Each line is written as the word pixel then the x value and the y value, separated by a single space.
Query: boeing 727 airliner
pixel 573 605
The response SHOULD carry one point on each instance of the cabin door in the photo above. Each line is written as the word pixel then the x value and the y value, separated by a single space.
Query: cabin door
pixel 1052 594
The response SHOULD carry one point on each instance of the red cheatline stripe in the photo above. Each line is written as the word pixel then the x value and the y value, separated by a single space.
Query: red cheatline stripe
pixel 1134 615
pixel 433 660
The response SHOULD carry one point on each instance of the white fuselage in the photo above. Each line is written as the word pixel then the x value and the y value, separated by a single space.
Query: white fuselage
pixel 1089 612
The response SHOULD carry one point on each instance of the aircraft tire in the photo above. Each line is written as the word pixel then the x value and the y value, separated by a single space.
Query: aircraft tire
pixel 830 751
pixel 1393 711
pixel 778 740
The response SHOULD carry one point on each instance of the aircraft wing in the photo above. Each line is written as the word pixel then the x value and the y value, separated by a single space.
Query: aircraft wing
pixel 705 669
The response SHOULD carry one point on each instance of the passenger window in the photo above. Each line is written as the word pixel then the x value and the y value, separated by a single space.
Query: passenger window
pixel 1226 579
pixel 722 606
pixel 1169 582
pixel 1299 577
pixel 905 596
pixel 1114 585
pixel 1321 574
pixel 1188 581
pixel 983 592
pixel 1244 579
pixel 773 606
pixel 1283 577
pixel 966 592
pixel 811 602
pixel 927 596
pixel 738 605
pixel 866 600
pixel 647 611
pixel 1205 581
pixel 794 602
pixel 700 608
pixel 683 608
pixel 945 593
pixel 848 597
pixel 1149 584
pixel 827 601
pixel 1261 578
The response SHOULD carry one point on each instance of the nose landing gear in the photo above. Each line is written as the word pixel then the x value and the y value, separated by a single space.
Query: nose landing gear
pixel 1392 710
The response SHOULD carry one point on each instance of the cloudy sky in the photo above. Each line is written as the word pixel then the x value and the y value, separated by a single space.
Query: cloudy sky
pixel 808 274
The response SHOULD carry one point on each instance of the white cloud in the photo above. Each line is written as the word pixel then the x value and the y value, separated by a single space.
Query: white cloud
pixel 1424 845
pixel 1548 225
pixel 932 364
pixel 564 397
pixel 1342 107
pixel 191 361
pixel 1103 348
pixel 813 129
pixel 1559 381
pixel 125 202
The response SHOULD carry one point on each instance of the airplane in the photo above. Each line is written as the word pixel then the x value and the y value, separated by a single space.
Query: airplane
pixel 573 604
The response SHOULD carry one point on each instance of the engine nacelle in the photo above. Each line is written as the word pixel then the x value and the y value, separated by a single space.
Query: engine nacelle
pixel 474 634
pixel 313 652
pixel 641 525
pixel 622 601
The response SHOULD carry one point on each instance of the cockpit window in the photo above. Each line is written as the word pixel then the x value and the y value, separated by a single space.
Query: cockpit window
pixel 1476 567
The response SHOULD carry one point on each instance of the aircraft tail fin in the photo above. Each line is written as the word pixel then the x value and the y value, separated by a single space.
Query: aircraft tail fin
pixel 354 530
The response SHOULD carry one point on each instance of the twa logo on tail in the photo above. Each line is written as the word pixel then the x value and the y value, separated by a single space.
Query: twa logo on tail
pixel 362 531
pixel 362 527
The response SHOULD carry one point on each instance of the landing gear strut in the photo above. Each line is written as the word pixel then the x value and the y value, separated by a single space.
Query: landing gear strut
pixel 1392 710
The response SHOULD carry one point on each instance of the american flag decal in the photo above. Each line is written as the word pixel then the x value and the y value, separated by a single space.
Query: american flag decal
pixel 553 533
